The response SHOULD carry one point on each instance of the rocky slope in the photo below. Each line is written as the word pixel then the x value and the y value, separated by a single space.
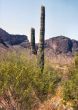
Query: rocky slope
pixel 9 39
pixel 53 46
pixel 62 44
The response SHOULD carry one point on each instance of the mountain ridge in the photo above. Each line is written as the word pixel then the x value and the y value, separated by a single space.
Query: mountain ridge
pixel 57 45
pixel 12 39
pixel 62 44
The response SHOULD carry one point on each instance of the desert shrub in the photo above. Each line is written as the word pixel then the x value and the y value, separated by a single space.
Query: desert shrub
pixel 70 89
pixel 45 83
pixel 20 75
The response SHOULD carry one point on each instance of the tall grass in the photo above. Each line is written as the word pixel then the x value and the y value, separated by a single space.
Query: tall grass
pixel 70 88
pixel 20 75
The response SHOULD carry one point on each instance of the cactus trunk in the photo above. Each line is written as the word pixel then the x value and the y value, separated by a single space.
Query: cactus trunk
pixel 33 48
pixel 41 43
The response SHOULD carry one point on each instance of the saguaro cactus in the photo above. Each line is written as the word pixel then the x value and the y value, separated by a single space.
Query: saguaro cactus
pixel 41 43
pixel 33 48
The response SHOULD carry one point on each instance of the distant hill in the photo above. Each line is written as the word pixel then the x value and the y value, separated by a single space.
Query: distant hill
pixel 53 46
pixel 62 44
pixel 10 39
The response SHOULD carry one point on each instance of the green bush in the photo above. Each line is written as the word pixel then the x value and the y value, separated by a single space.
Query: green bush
pixel 22 77
pixel 70 89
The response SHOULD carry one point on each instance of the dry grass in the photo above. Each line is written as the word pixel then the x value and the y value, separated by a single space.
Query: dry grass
pixel 60 63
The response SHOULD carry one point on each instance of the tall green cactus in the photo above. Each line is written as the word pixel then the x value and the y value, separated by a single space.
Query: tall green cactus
pixel 41 43
pixel 33 47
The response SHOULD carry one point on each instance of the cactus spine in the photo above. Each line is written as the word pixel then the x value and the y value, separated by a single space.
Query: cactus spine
pixel 33 48
pixel 41 43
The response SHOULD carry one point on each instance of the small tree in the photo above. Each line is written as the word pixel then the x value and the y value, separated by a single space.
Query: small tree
pixel 41 43
pixel 33 48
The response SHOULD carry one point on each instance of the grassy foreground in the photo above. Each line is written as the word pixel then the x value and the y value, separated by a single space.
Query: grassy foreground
pixel 22 85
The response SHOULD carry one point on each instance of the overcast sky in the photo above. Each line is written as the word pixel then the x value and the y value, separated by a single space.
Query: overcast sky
pixel 18 16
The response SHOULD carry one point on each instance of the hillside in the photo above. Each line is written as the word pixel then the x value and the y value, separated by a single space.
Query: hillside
pixel 62 44
pixel 54 46
pixel 11 39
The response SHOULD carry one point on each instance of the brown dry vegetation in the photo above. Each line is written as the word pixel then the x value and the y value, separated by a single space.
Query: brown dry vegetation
pixel 53 101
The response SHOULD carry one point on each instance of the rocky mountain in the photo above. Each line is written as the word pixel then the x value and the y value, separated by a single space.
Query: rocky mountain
pixel 62 44
pixel 55 45
pixel 9 39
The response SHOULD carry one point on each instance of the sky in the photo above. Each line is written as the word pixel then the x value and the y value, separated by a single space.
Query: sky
pixel 18 16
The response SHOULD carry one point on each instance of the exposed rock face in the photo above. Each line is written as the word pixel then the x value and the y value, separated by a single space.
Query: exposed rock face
pixel 62 44
pixel 12 39
pixel 53 46
pixel 75 46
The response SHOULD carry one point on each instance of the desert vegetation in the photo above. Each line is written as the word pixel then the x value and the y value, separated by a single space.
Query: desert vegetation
pixel 41 43
pixel 70 87
pixel 22 85
pixel 33 47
